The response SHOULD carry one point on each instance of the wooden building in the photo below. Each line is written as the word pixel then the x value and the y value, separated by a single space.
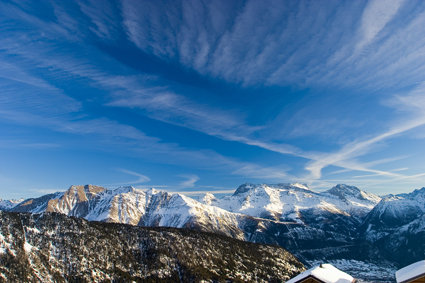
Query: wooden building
pixel 414 273
pixel 324 273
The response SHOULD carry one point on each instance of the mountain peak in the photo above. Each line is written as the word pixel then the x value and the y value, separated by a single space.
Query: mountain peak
pixel 124 189
pixel 414 194
pixel 152 191
pixel 87 188
pixel 207 198
pixel 295 185
pixel 343 190
pixel 286 186
pixel 346 188
pixel 243 188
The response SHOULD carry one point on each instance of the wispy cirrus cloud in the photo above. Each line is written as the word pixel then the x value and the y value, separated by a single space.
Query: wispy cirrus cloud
pixel 190 181
pixel 301 44
pixel 230 57
pixel 46 106
pixel 413 104
pixel 103 16
pixel 334 46
pixel 375 16
pixel 141 178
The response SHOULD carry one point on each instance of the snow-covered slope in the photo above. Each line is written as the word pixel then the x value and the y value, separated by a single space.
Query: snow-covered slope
pixel 9 204
pixel 352 200
pixel 132 206
pixel 284 201
pixel 90 202
pixel 279 202
pixel 122 205
pixel 36 205
pixel 76 201
pixel 339 209
pixel 391 213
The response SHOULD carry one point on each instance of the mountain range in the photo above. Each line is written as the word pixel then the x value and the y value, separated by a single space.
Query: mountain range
pixel 356 231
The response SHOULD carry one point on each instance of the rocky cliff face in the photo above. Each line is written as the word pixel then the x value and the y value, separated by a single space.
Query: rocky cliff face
pixel 52 247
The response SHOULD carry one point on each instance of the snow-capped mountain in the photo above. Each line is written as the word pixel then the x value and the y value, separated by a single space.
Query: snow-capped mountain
pixel 136 207
pixel 417 195
pixel 391 213
pixel 315 226
pixel 248 214
pixel 36 205
pixel 339 209
pixel 294 203
pixel 354 201
pixel 9 204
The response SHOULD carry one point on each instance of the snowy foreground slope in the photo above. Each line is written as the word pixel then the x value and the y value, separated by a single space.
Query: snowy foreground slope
pixel 52 247
pixel 339 226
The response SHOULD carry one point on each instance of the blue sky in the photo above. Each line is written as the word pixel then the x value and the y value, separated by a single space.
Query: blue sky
pixel 199 96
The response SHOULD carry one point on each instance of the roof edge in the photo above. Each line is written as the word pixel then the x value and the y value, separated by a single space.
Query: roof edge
pixel 413 278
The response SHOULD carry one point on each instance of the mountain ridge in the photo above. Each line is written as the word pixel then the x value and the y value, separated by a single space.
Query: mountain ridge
pixel 315 226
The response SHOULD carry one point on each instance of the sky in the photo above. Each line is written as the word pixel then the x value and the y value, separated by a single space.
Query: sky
pixel 195 96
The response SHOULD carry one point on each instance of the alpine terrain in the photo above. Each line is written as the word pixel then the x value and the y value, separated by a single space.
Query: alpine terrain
pixel 358 232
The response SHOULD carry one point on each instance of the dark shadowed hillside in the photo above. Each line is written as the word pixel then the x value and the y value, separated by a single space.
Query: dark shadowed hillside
pixel 51 247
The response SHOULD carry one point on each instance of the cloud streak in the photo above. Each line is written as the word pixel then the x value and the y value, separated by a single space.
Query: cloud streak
pixel 375 16
pixel 190 181
pixel 141 178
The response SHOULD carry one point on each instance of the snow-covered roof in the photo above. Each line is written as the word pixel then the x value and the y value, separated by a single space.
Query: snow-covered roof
pixel 326 273
pixel 411 272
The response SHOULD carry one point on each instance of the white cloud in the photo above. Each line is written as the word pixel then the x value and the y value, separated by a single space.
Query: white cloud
pixel 102 16
pixel 141 178
pixel 257 44
pixel 190 182
pixel 375 16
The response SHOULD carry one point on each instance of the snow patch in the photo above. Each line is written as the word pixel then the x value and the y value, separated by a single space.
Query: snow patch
pixel 28 247
pixel 326 273
pixel 4 246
